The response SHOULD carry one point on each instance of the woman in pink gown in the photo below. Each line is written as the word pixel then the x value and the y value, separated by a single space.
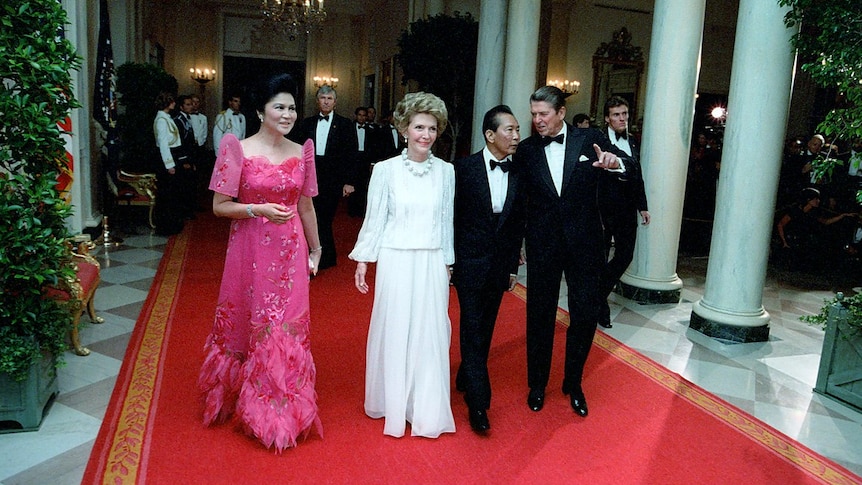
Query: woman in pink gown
pixel 258 365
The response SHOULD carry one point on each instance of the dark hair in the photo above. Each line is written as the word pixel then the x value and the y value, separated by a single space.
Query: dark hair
pixel 808 194
pixel 580 118
pixel 613 102
pixel 269 87
pixel 182 99
pixel 360 108
pixel 551 95
pixel 491 121
pixel 163 100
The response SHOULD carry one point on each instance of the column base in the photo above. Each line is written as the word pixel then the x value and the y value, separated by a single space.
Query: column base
pixel 646 296
pixel 730 333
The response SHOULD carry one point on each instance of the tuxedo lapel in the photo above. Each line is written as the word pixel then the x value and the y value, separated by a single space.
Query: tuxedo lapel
pixel 574 145
pixel 541 159
pixel 510 197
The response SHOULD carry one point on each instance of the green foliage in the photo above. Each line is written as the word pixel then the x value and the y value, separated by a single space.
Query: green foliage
pixel 138 86
pixel 852 304
pixel 829 43
pixel 36 94
pixel 439 53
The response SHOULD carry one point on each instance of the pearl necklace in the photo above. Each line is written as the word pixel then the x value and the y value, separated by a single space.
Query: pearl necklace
pixel 410 166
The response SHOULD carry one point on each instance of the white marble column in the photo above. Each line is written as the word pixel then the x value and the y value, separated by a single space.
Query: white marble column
pixel 522 53
pixel 489 65
pixel 760 86
pixel 672 75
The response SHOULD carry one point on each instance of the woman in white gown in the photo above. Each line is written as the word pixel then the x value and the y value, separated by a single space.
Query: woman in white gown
pixel 408 232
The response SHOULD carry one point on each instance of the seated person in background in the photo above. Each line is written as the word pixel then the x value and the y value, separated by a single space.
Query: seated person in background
pixel 803 229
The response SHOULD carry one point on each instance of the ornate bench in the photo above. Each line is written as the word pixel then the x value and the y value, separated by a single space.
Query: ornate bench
pixel 80 292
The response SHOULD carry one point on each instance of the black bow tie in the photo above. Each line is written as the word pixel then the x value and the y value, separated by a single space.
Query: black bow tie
pixel 323 117
pixel 547 140
pixel 505 165
pixel 624 135
pixel 360 127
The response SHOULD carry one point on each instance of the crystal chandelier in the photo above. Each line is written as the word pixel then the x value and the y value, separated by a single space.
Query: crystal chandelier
pixel 293 17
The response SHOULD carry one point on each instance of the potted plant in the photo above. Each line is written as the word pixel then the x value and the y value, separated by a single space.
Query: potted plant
pixel 840 374
pixel 35 95
pixel 437 44
pixel 138 85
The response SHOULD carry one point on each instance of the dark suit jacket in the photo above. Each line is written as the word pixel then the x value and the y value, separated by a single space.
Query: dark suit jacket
pixel 629 196
pixel 569 221
pixel 384 146
pixel 487 248
pixel 340 164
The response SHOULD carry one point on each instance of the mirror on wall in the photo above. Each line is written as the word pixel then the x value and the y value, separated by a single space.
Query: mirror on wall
pixel 617 70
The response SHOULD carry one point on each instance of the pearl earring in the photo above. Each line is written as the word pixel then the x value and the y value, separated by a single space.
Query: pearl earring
pixel 260 117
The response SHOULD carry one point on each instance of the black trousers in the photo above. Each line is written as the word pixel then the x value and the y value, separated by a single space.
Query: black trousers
pixel 479 309
pixel 623 228
pixel 168 214
pixel 325 206
pixel 543 288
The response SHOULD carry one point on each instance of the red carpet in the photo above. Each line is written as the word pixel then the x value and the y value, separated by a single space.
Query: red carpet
pixel 646 425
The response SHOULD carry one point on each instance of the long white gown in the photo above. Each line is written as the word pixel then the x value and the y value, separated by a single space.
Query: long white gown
pixel 408 232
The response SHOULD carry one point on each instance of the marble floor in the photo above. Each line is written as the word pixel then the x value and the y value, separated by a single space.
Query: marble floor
pixel 771 380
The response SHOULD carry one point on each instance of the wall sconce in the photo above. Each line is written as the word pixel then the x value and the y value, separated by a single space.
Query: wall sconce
pixel 570 87
pixel 202 76
pixel 323 81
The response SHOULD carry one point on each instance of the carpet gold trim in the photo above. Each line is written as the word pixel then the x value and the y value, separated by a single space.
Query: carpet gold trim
pixel 743 422
pixel 127 445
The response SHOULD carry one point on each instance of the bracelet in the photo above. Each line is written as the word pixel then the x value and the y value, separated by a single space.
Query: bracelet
pixel 250 212
pixel 318 248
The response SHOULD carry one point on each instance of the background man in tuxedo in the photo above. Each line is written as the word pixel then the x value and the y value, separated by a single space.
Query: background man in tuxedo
pixel 365 143
pixel 624 201
pixel 336 160
pixel 561 167
pixel 389 142
pixel 489 228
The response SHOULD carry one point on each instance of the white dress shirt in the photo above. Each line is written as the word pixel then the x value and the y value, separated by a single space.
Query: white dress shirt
pixel 360 136
pixel 498 181
pixel 622 143
pixel 555 153
pixel 322 134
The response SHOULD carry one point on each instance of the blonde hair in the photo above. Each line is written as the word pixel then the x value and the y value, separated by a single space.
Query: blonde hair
pixel 416 103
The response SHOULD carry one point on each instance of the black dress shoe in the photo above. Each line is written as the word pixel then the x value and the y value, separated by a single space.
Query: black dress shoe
pixel 579 403
pixel 605 315
pixel 536 399
pixel 479 420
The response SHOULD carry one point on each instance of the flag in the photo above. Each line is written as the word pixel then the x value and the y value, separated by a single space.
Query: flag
pixel 104 99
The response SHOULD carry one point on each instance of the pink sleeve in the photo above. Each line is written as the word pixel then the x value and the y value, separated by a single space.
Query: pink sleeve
pixel 228 167
pixel 309 187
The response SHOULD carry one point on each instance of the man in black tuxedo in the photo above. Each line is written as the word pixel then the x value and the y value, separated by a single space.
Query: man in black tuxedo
pixel 489 229
pixel 365 141
pixel 624 201
pixel 388 142
pixel 336 161
pixel 560 169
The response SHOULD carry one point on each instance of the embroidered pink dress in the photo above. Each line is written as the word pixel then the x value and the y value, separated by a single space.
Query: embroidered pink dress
pixel 258 362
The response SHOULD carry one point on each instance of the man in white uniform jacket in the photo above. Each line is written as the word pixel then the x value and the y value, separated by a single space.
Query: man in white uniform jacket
pixel 229 121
